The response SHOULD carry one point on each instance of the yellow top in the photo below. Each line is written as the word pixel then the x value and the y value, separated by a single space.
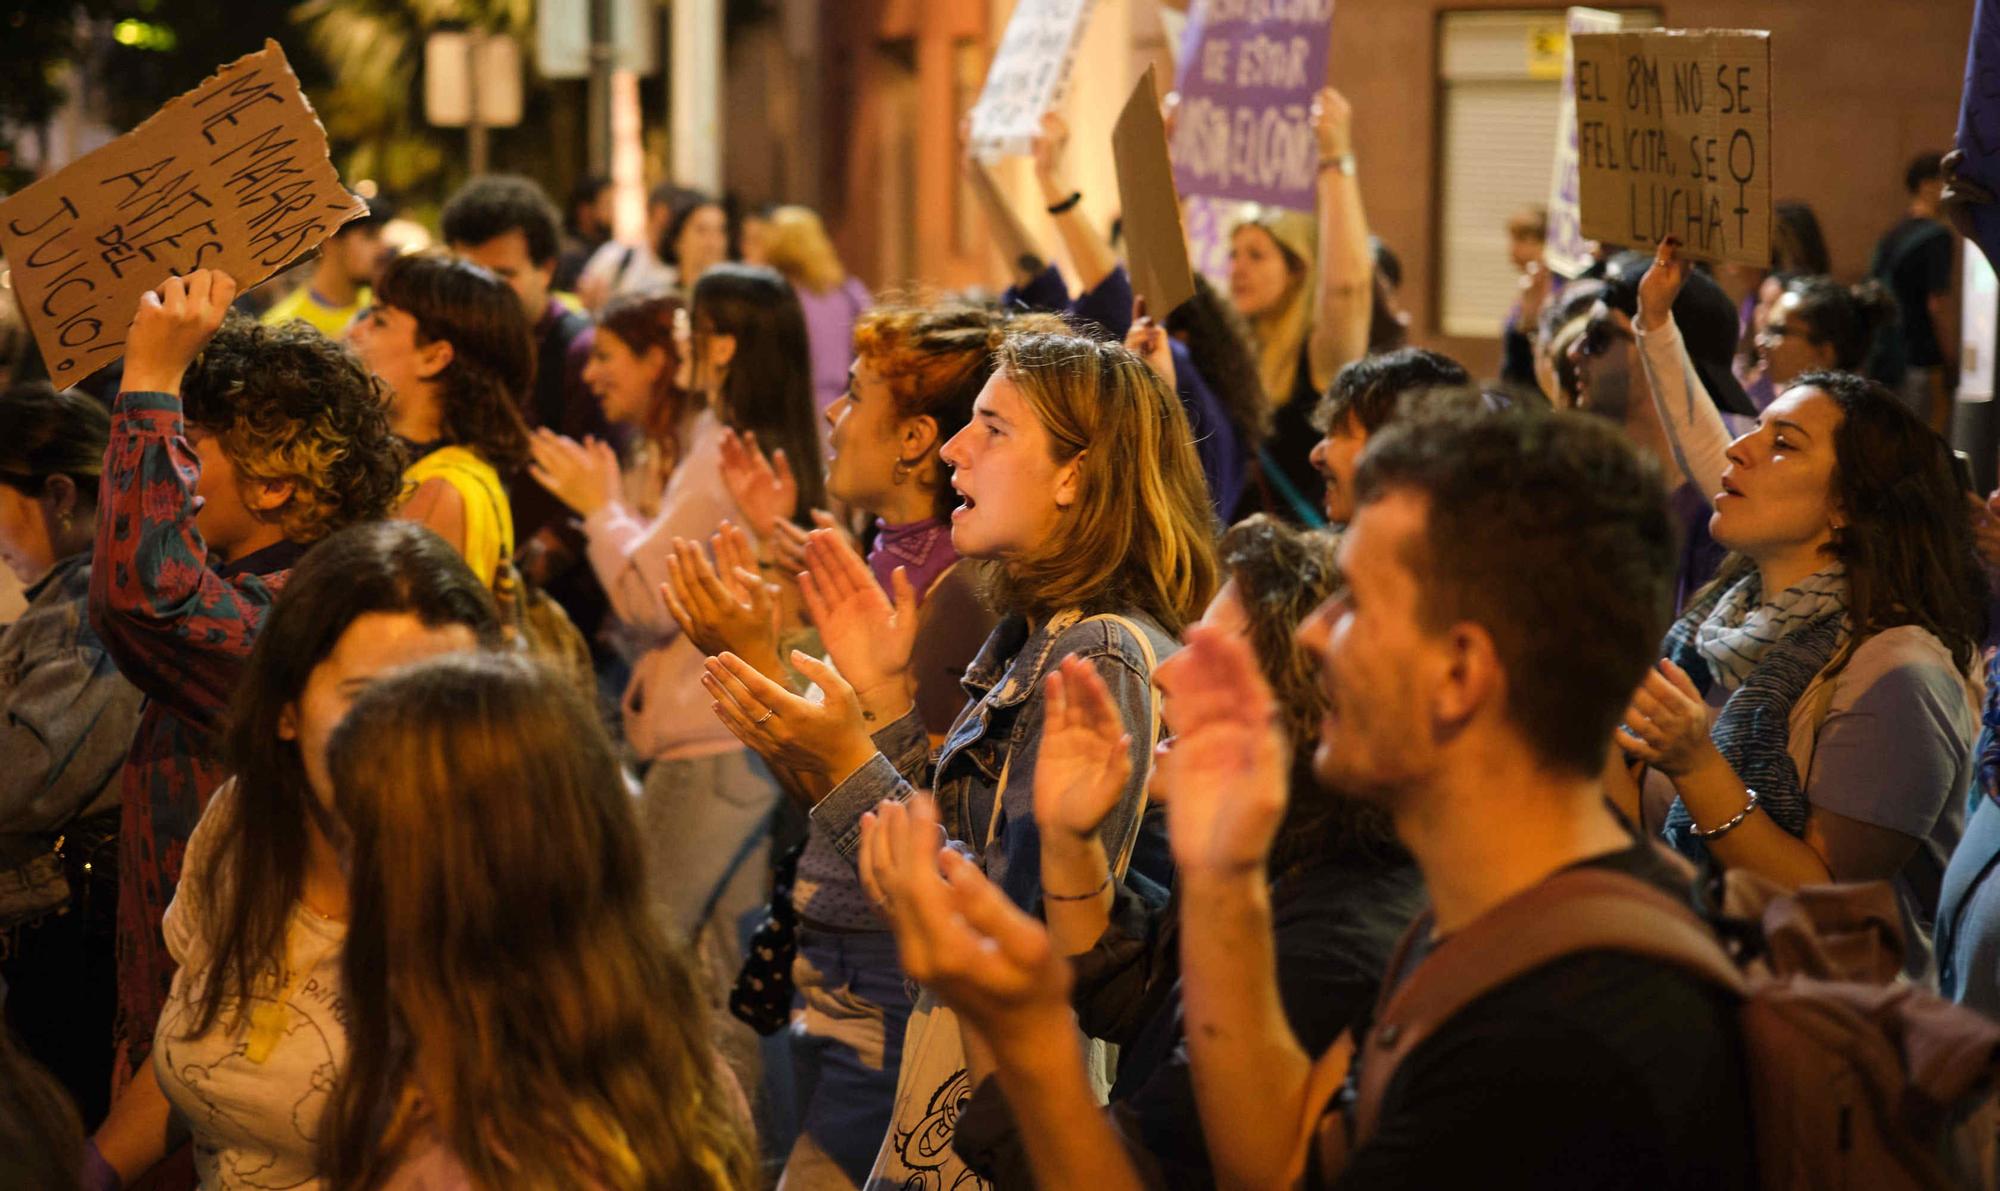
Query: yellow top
pixel 303 303
pixel 489 520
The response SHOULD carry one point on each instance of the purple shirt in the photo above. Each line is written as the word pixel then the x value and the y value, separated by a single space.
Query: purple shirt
pixel 830 319
pixel 922 548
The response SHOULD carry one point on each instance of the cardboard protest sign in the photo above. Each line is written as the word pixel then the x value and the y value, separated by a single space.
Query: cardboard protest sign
pixel 1248 72
pixel 1156 253
pixel 1978 140
pixel 1673 138
pixel 1567 249
pixel 1029 75
pixel 232 175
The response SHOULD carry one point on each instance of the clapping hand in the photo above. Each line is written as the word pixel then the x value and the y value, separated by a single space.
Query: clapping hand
pixel 869 636
pixel 725 607
pixel 1085 756
pixel 1667 724
pixel 958 934
pixel 827 739
pixel 1223 773
pixel 765 490
pixel 171 326
pixel 583 475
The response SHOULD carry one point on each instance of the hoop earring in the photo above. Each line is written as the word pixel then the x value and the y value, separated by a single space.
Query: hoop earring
pixel 900 473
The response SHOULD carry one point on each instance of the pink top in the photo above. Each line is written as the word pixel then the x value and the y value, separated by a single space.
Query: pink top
pixel 667 713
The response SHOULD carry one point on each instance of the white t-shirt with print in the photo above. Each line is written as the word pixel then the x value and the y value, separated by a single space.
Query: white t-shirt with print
pixel 255 1125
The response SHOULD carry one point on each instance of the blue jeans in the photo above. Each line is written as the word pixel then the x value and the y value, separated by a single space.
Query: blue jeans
pixel 846 1054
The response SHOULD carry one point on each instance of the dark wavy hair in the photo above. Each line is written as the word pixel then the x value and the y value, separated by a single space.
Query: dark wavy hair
pixel 1371 390
pixel 508 989
pixel 1847 316
pixel 292 406
pixel 1218 341
pixel 682 203
pixel 1283 572
pixel 768 389
pixel 492 366
pixel 496 204
pixel 254 874
pixel 1515 500
pixel 1907 543
pixel 49 432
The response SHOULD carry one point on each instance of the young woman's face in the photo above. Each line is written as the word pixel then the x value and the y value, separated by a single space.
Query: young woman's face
pixel 373 644
pixel 226 519
pixel 624 381
pixel 25 544
pixel 703 241
pixel 1003 466
pixel 1777 492
pixel 863 443
pixel 1786 343
pixel 386 340
pixel 1259 277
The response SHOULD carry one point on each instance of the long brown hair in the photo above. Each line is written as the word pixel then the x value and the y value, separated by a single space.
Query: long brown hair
pixel 492 350
pixel 1141 534
pixel 508 991
pixel 253 876
pixel 644 322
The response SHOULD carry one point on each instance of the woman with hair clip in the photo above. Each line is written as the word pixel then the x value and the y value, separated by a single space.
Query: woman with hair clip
pixel 253 1037
pixel 449 341
pixel 1077 481
pixel 707 802
pixel 1342 888
pixel 516 1017
pixel 1204 352
pixel 1851 609
pixel 1310 312
pixel 916 373
pixel 67 718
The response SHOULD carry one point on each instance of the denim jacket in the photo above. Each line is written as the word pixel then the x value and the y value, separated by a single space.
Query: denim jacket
pixel 1002 721
pixel 69 715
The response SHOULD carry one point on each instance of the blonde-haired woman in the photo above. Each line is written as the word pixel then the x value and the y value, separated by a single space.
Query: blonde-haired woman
pixel 516 1018
pixel 1307 289
pixel 1080 487
pixel 796 244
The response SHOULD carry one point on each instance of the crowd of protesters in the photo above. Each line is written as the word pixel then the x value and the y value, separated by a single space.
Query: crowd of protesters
pixel 553 712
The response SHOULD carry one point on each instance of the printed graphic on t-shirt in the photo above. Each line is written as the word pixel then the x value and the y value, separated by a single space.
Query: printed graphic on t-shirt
pixel 256 1125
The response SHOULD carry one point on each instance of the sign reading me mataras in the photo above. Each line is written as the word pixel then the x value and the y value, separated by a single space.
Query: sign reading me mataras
pixel 232 175
pixel 1673 138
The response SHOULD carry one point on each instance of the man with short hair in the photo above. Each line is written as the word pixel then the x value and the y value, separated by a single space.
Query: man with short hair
pixel 342 274
pixel 505 223
pixel 1366 396
pixel 1914 261
pixel 1508 585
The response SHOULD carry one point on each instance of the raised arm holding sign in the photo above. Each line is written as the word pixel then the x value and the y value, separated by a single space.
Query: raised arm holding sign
pixel 1029 75
pixel 231 176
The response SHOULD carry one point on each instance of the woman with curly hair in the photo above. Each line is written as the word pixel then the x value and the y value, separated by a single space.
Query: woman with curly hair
pixel 450 343
pixel 518 1018
pixel 234 446
pixel 254 1033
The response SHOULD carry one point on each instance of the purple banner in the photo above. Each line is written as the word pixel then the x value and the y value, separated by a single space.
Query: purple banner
pixel 1248 72
pixel 1979 123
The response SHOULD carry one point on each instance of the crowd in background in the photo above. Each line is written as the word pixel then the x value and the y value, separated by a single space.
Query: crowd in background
pixel 546 711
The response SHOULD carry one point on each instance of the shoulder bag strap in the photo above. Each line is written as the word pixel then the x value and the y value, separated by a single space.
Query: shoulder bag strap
pixel 1585 909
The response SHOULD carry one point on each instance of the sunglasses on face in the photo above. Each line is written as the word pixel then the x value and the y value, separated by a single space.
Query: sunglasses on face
pixel 1600 335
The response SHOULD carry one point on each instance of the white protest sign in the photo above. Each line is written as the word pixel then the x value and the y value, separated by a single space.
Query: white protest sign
pixel 1567 250
pixel 1029 75
pixel 232 175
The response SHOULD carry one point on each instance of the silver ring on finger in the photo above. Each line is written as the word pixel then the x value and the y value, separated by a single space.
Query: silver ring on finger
pixel 767 715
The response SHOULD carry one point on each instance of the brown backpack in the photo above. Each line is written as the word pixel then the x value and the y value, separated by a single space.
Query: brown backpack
pixel 1857 1079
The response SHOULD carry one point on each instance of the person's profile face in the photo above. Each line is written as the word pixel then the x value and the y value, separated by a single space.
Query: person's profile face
pixel 1605 359
pixel 506 256
pixel 1003 467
